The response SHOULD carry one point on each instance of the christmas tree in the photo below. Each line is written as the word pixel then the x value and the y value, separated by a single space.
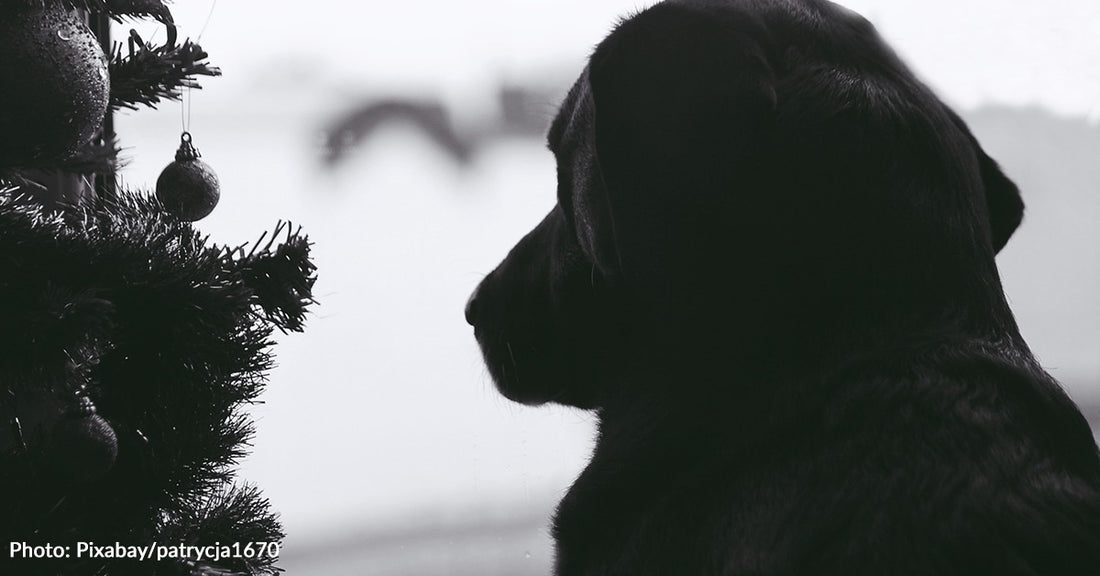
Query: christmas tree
pixel 130 345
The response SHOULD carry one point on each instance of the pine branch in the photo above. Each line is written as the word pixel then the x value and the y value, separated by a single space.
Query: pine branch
pixel 153 73
pixel 120 9
pixel 14 180
pixel 173 337
pixel 237 514
pixel 94 158
pixel 281 281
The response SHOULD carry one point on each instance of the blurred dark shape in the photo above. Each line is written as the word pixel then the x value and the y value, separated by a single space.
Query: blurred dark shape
pixel 430 117
pixel 523 111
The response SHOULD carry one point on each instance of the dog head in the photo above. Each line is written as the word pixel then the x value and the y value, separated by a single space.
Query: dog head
pixel 721 188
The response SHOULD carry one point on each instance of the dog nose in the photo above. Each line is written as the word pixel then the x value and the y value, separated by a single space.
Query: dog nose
pixel 471 308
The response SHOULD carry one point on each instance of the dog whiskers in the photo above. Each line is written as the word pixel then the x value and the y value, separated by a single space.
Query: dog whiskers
pixel 511 355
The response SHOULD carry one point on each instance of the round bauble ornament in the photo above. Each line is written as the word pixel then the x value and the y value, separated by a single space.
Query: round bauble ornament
pixel 83 446
pixel 54 82
pixel 188 188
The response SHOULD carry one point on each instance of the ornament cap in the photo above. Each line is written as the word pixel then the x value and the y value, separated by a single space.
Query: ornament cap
pixel 186 151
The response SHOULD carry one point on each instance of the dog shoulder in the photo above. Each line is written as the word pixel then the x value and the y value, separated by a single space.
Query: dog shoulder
pixel 946 466
pixel 967 465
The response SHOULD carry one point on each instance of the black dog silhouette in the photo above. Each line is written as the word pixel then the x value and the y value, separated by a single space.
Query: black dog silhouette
pixel 770 272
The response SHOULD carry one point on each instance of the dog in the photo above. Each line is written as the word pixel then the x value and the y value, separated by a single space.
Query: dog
pixel 770 274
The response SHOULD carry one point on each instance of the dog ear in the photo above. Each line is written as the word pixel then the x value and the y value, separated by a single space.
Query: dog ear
pixel 1002 197
pixel 679 97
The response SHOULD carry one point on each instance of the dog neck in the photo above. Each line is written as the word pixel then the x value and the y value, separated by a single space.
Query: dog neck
pixel 664 444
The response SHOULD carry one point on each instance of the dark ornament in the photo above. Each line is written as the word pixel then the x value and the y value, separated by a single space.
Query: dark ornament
pixel 83 446
pixel 188 188
pixel 54 83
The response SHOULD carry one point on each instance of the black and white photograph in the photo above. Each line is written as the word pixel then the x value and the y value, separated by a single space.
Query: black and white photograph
pixel 549 288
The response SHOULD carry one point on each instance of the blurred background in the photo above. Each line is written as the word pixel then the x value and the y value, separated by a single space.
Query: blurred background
pixel 407 140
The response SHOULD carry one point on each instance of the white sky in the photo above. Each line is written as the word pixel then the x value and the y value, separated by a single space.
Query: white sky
pixel 971 51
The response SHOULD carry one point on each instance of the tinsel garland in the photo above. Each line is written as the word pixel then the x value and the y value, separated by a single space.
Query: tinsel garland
pixel 172 337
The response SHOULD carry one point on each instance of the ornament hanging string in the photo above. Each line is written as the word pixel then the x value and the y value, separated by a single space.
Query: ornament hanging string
pixel 185 110
pixel 185 101
pixel 209 15
pixel 188 188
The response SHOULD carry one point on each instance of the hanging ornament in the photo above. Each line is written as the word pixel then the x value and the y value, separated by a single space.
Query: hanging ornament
pixel 188 188
pixel 83 446
pixel 54 82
